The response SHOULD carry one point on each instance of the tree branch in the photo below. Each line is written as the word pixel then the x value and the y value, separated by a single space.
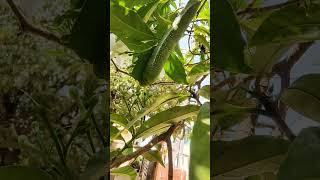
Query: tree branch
pixel 163 83
pixel 121 159
pixel 272 108
pixel 286 65
pixel 283 69
pixel 26 26
pixel 118 69
pixel 170 166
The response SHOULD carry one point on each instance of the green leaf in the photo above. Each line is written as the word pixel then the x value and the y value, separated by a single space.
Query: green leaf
pixel 200 146
pixel 291 24
pixel 20 172
pixel 262 58
pixel 155 156
pixel 303 96
pixel 238 4
pixel 119 119
pixel 132 3
pixel 231 107
pixel 138 69
pixel 205 92
pixel 247 157
pixel 201 30
pixel 205 12
pixel 151 10
pixel 198 71
pixel 156 103
pixel 228 115
pixel 113 132
pixel 129 27
pixel 89 36
pixel 163 120
pixel 96 166
pixel 303 160
pixel 228 46
pixel 126 170
pixel 202 39
pixel 175 69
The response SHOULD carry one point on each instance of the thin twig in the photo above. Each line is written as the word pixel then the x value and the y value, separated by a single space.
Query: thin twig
pixel 118 69
pixel 163 83
pixel 26 26
pixel 272 108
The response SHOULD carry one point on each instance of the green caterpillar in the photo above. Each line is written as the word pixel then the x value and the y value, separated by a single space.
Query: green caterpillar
pixel 161 53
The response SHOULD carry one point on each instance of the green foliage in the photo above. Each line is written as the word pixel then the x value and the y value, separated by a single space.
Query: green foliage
pixel 233 158
pixel 88 35
pixel 130 28
pixel 167 43
pixel 154 156
pixel 19 172
pixel 96 166
pixel 302 161
pixel 200 143
pixel 227 56
pixel 142 107
pixel 262 58
pixel 293 24
pixel 162 121
pixel 58 115
pixel 175 70
pixel 256 50
pixel 126 170
pixel 303 96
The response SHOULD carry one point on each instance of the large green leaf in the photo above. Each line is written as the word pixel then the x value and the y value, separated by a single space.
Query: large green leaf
pixel 126 171
pixel 89 35
pixel 96 166
pixel 156 103
pixel 119 119
pixel 154 155
pixel 132 3
pixel 200 146
pixel 228 46
pixel 246 157
pixel 20 172
pixel 303 161
pixel 262 58
pixel 163 120
pixel 303 96
pixel 291 24
pixel 231 107
pixel 198 71
pixel 175 70
pixel 205 92
pixel 141 62
pixel 129 27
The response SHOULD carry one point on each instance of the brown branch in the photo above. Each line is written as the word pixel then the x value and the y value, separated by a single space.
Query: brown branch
pixel 283 69
pixel 163 137
pixel 272 109
pixel 163 83
pixel 284 66
pixel 26 26
pixel 170 166
pixel 118 69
